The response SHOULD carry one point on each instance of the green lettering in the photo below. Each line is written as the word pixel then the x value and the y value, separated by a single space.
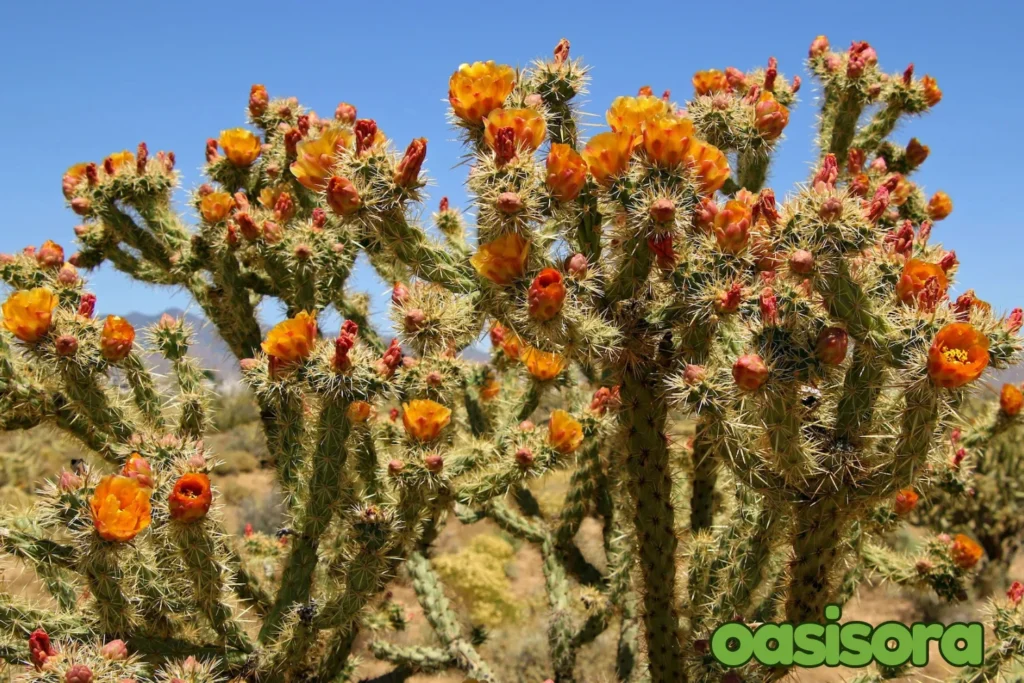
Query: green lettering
pixel 973 651
pixel 856 640
pixel 892 631
pixel 743 640
pixel 923 634
pixel 782 636
pixel 809 640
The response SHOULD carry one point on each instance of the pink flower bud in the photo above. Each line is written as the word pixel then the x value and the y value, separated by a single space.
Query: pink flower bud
pixel 399 294
pixel 248 364
pixel 1015 320
pixel 395 467
pixel 577 265
pixel 527 426
pixel 69 481
pixel 78 673
pixel 115 650
pixel 694 374
pixel 801 262
pixel 819 46
pixel 81 206
pixel 345 113
pixel 663 210
pixel 414 320
pixel 524 457
pixel 66 345
pixel 534 101
pixel 750 372
pixel 509 203
pixel 434 463
pixel 303 252
pixel 434 378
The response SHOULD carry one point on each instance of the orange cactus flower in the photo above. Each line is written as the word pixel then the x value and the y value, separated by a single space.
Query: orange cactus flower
pixel 710 82
pixel 527 126
pixel 732 226
pixel 542 365
pixel 932 94
pixel 490 390
pixel 191 497
pixel 477 89
pixel 315 158
pixel 916 275
pixel 72 177
pixel 567 171
pixel 964 552
pixel 770 117
pixel 502 260
pixel 709 164
pixel 291 341
pixel 906 500
pixel 667 140
pixel 117 338
pixel 958 355
pixel 607 155
pixel 424 419
pixel 1011 400
pixel 216 206
pixel 633 114
pixel 939 206
pixel 240 146
pixel 546 294
pixel 358 411
pixel 138 468
pixel 50 255
pixel 29 312
pixel 512 346
pixel 120 508
pixel 564 433
pixel 118 160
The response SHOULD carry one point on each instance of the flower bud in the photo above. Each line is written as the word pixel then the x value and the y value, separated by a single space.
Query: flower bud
pixel 546 295
pixel 415 319
pixel 939 206
pixel 509 203
pixel 50 255
pixel 831 345
pixel 906 500
pixel 395 467
pixel 69 481
pixel 345 113
pixel 964 552
pixel 524 457
pixel 115 651
pixel 342 196
pixel 258 100
pixel 1011 400
pixel 663 210
pixel 434 378
pixel 749 372
pixel 819 46
pixel 1015 593
pixel 729 300
pixel 66 345
pixel 319 218
pixel 577 265
pixel 303 252
pixel 408 170
pixel 769 306
pixel 434 463
pixel 399 294
pixel 81 206
pixel 527 426
pixel 801 262
pixel 1015 320
pixel 694 374
pixel 366 134
pixel 916 153
pixel 78 673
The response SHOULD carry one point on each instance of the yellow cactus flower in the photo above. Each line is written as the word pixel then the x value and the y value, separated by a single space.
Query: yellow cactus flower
pixel 567 171
pixel 358 411
pixel 291 341
pixel 28 313
pixel 564 433
pixel 315 158
pixel 116 161
pixel 527 126
pixel 475 90
pixel 216 206
pixel 502 260
pixel 709 164
pixel 633 114
pixel 120 508
pixel 667 140
pixel 424 419
pixel 709 82
pixel 607 155
pixel 542 365
pixel 240 146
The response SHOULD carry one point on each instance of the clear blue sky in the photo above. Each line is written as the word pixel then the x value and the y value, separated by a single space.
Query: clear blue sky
pixel 83 79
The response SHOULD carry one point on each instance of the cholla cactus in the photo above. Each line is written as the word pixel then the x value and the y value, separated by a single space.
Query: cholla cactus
pixel 811 341
pixel 976 492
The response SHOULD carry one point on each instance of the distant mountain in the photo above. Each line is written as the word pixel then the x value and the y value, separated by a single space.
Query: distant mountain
pixel 207 347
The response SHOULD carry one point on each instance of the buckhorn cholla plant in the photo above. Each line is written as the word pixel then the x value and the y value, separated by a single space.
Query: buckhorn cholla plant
pixel 811 342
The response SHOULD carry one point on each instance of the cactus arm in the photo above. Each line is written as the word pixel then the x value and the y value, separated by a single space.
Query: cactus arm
pixel 143 390
pixel 414 659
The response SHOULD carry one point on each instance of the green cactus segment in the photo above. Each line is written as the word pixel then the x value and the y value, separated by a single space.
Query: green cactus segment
pixel 114 610
pixel 413 659
pixel 861 386
pixel 782 423
pixel 285 426
pixel 321 501
pixel 643 416
pixel 839 118
pixel 705 478
pixel 847 301
pixel 817 545
pixel 918 428
pixel 147 400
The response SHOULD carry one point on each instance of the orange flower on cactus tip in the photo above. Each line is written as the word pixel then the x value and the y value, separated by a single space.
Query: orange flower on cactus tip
pixel 567 171
pixel 191 497
pixel 315 158
pixel 342 196
pixel 138 468
pixel 709 82
pixel 564 433
pixel 117 338
pixel 358 412
pixel 28 313
pixel 490 390
pixel 407 172
pixel 546 295
pixel 607 155
pixel 964 552
pixel 709 164
pixel 216 206
pixel 120 508
pixel 732 226
pixel 541 365
pixel 502 260
pixel 906 500
pixel 512 346
pixel 50 255
pixel 667 140
pixel 633 114
pixel 118 160
pixel 916 275
pixel 72 177
pixel 475 90
pixel 932 94
pixel 292 340
pixel 939 206
pixel 424 419
pixel 528 127
pixel 240 146
pixel 770 117
pixel 1011 400
pixel 958 355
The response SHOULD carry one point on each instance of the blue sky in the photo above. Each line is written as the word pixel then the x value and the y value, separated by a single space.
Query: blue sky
pixel 81 80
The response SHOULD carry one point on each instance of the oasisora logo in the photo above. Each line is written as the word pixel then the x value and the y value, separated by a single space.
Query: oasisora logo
pixel 853 644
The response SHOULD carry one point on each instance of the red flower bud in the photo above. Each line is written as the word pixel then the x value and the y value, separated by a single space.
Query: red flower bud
pixel 392 357
pixel 443 206
pixel 948 261
pixel 399 294
pixel 211 150
pixel 736 79
pixel 509 203
pixel 764 208
pixel 504 145
pixel 546 295
pixel 1015 320
pixel 663 249
pixel 141 157
pixel 771 73
pixel 40 648
pixel 801 262
pixel 415 319
pixel 749 372
pixel 827 174
pixel 1015 593
pixel 319 217
pixel 366 132
pixel 524 457
pixel 855 160
pixel 342 196
pixel 87 305
pixel 663 210
pixel 408 170
pixel 66 345
pixel 769 306
pixel 819 46
pixel 434 463
pixel 878 204
pixel 258 100
pixel 729 300
pixel 831 345
pixel 345 113
pixel 562 51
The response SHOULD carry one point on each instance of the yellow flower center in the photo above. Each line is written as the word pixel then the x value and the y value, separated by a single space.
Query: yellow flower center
pixel 955 355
